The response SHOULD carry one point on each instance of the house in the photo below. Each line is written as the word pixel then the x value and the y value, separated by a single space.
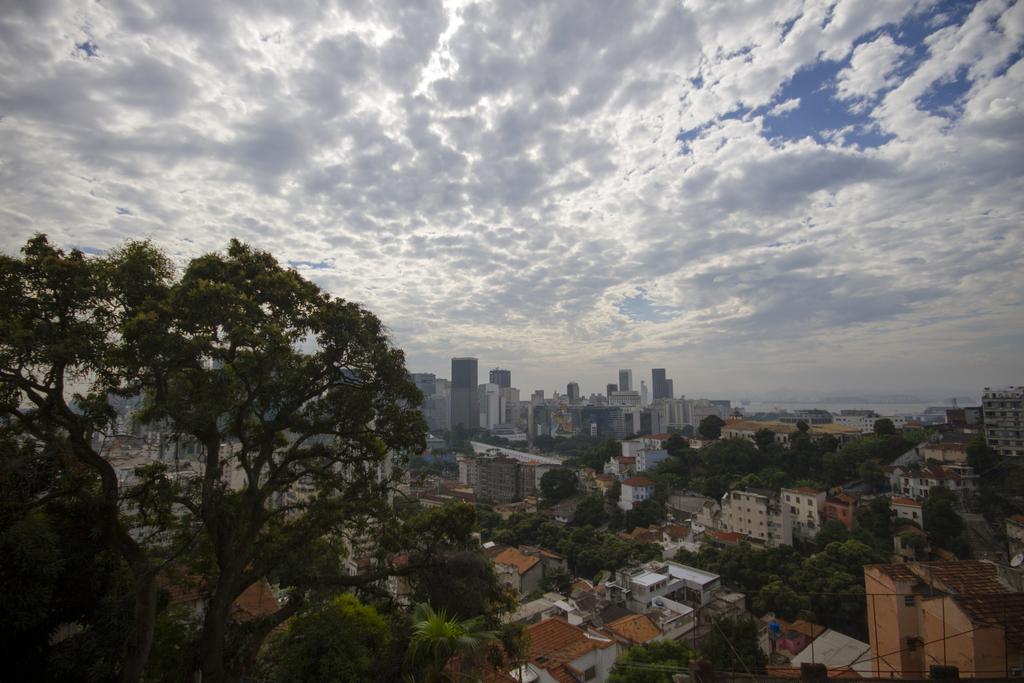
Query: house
pixel 841 508
pixel 183 588
pixel 564 511
pixel 648 458
pixel 917 482
pixel 909 543
pixel 908 509
pixel 782 640
pixel 806 510
pixel 620 466
pixel 955 613
pixel 836 651
pixel 519 571
pixel 557 652
pixel 783 432
pixel 635 629
pixel 663 584
pixel 635 490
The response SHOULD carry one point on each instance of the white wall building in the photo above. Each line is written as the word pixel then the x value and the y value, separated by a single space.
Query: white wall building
pixel 635 490
pixel 757 513
pixel 806 509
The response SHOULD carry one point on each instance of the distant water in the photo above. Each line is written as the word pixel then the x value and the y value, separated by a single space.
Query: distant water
pixel 880 408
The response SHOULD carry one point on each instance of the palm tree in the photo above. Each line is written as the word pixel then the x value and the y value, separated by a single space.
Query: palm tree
pixel 437 638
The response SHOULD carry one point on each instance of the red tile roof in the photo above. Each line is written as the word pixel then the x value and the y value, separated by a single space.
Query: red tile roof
pixel 1001 610
pixel 521 561
pixel 638 480
pixel 255 601
pixel 555 641
pixel 636 628
pixel 900 500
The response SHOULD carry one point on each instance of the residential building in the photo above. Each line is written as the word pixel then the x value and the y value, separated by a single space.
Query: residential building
pixel 955 613
pixel 759 514
pixel 503 378
pixel 864 420
pixel 841 508
pixel 783 432
pixel 634 629
pixel 907 509
pixel 625 380
pixel 518 571
pixel 806 510
pixel 558 652
pixel 497 478
pixel 837 651
pixel 464 407
pixel 647 458
pixel 635 490
pixel 1003 414
pixel 917 482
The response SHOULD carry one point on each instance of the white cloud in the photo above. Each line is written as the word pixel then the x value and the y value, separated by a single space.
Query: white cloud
pixel 494 179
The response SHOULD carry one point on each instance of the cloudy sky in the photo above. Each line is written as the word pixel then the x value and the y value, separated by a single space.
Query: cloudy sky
pixel 759 196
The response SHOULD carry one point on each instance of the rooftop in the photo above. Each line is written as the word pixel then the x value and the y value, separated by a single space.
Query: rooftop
pixel 555 641
pixel 638 481
pixel 521 561
pixel 636 628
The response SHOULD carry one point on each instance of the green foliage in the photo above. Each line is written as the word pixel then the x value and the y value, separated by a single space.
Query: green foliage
pixel 764 439
pixel 340 641
pixel 884 427
pixel 557 581
pixel 941 521
pixel 177 628
pixel 832 531
pixel 711 427
pixel 653 662
pixel 732 645
pixel 590 512
pixel 557 484
pixel 438 638
pixel 644 513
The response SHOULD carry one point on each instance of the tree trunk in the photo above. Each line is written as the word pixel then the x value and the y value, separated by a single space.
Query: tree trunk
pixel 140 639
pixel 212 639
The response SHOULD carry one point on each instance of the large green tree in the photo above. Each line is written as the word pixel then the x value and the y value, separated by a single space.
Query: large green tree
pixel 557 484
pixel 68 342
pixel 297 401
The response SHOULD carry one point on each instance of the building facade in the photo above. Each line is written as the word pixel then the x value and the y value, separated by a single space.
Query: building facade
pixel 464 405
pixel 1003 411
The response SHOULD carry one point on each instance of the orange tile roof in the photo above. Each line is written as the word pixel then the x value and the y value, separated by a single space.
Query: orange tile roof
pixel 255 601
pixel 1002 610
pixel 555 641
pixel 1019 519
pixel 639 480
pixel 728 536
pixel 636 628
pixel 676 531
pixel 807 628
pixel 900 500
pixel 896 572
pixel 521 561
pixel 964 576
pixel 806 490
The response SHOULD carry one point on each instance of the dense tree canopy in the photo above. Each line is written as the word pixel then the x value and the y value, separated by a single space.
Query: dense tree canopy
pixel 295 396
pixel 557 484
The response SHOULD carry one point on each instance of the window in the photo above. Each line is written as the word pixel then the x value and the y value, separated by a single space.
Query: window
pixel 908 600
pixel 590 674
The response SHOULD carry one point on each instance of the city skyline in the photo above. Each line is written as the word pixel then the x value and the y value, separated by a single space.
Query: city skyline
pixel 806 198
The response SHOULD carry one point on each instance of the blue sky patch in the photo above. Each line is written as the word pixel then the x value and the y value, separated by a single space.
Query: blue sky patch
pixel 642 308
pixel 314 265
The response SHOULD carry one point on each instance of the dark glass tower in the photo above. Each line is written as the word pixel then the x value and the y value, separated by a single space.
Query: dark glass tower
pixel 465 405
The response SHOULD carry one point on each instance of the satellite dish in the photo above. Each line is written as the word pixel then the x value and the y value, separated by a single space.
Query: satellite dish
pixel 1018 560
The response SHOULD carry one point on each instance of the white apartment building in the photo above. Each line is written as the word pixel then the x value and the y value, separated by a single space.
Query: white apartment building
pixel 866 423
pixel 635 490
pixel 489 400
pixel 757 513
pixel 806 510
pixel 647 458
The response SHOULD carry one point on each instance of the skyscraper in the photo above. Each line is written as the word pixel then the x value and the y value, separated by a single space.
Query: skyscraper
pixel 658 387
pixel 645 397
pixel 610 388
pixel 625 380
pixel 465 406
pixel 572 391
pixel 503 378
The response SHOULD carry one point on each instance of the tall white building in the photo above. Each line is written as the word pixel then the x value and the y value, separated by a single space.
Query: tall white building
pixel 758 514
pixel 509 406
pixel 489 400
pixel 1003 409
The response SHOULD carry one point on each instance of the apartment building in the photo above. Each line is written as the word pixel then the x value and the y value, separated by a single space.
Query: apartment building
pixel 1003 410
pixel 924 614
pixel 757 513
pixel 635 490
pixel 806 510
